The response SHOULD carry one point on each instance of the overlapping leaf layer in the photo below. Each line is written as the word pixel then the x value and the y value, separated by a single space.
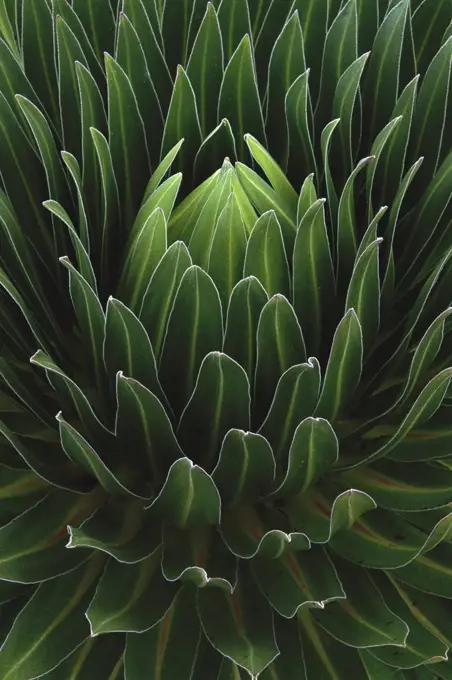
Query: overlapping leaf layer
pixel 226 246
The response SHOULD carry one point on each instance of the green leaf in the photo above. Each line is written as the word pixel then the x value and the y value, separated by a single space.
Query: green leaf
pixel 189 497
pixel 98 20
pixel 429 210
pixel 33 543
pixel 376 151
pixel 401 487
pixel 321 517
pixel 343 370
pixel 298 578
pixel 69 52
pixel 73 166
pixel 245 305
pixel 343 108
pixel 149 34
pixel 428 401
pixel 163 197
pixel 143 254
pixel 7 30
pixel 265 200
pixel 69 390
pixel 127 347
pixel 339 52
pixel 100 656
pixel 90 316
pixel 199 556
pixel 287 62
pixel 143 426
pixel 66 11
pixel 131 58
pixel 295 399
pixel 169 649
pixel 127 139
pixel 161 170
pixel 200 242
pixel 26 191
pixel 361 621
pixel 430 114
pixel 82 257
pixel 325 146
pixel 313 282
pixel 227 253
pixel 296 105
pixel 326 657
pixel 239 100
pixel 425 353
pixel 205 69
pixel 346 225
pixel 188 210
pixel 392 160
pixel 220 401
pixel 428 21
pixel 422 645
pixel 313 451
pixel 82 454
pixel 51 625
pixel 245 468
pixel 363 293
pixel 240 625
pixel 234 19
pixel 382 78
pixel 161 292
pixel 266 257
pixel 37 52
pixel 45 140
pixel 109 196
pixel 119 528
pixel 182 122
pixel 280 345
pixel 130 597
pixel 306 198
pixel 284 190
pixel 195 328
pixel 217 148
pixel 314 21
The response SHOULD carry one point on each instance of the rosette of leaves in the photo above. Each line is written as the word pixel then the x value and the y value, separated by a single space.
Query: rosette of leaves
pixel 225 308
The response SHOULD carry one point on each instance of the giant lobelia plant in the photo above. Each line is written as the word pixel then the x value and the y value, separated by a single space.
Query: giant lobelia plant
pixel 226 339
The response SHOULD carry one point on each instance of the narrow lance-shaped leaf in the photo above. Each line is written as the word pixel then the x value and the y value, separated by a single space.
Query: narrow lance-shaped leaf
pixel 344 367
pixel 313 451
pixel 313 278
pixel 156 307
pixel 189 497
pixel 195 328
pixel 266 257
pixel 363 293
pixel 287 62
pixel 159 649
pixel 245 305
pixel 240 625
pixel 184 126
pixel 127 142
pixel 227 254
pixel 205 69
pixel 51 625
pixel 239 100
pixel 245 468
pixel 220 401
pixel 130 597
pixel 127 347
pixel 280 345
